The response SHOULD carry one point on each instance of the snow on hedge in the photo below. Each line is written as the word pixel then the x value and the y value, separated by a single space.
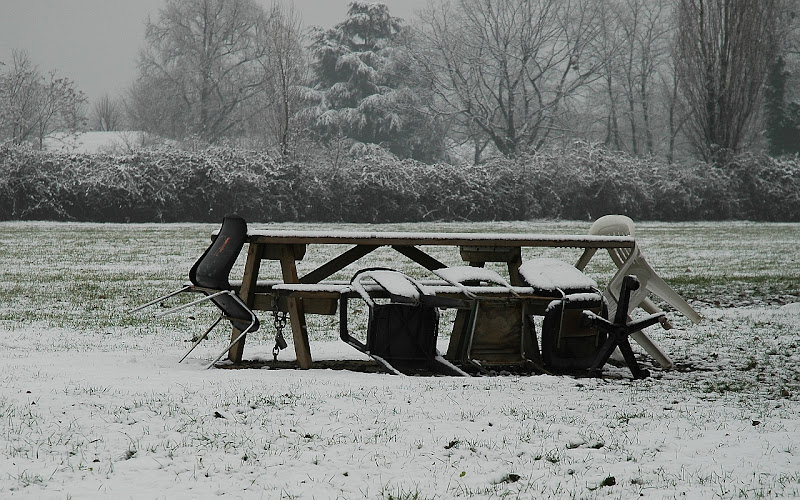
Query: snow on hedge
pixel 582 183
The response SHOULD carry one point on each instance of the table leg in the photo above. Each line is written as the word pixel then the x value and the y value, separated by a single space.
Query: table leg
pixel 297 316
pixel 251 268
pixel 514 261
pixel 585 258
pixel 459 337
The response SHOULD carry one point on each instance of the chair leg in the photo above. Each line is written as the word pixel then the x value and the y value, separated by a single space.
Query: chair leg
pixel 201 338
pixel 230 346
pixel 659 287
pixel 160 299
pixel 192 303
pixel 650 346
pixel 241 335
pixel 602 356
pixel 637 371
pixel 386 365
pixel 448 368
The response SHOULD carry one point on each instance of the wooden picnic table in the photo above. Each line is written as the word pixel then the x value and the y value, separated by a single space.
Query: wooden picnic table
pixel 288 247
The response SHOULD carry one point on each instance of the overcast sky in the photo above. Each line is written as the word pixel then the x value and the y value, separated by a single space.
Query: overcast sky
pixel 96 42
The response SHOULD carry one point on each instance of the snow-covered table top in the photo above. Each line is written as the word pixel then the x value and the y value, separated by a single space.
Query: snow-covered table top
pixel 429 238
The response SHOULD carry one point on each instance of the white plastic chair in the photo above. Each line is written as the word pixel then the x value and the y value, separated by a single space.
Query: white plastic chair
pixel 632 261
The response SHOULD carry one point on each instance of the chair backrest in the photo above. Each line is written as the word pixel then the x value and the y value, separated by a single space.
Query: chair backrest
pixel 401 288
pixel 615 225
pixel 499 331
pixel 213 268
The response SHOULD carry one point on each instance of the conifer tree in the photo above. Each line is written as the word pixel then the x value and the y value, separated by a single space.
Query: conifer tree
pixel 364 91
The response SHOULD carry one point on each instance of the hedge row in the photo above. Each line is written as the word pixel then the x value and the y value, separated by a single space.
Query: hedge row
pixel 580 183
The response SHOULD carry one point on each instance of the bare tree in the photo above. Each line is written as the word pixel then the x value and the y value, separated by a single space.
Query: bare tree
pixel 725 48
pixel 674 107
pixel 635 49
pixel 646 29
pixel 609 48
pixel 106 114
pixel 286 67
pixel 61 107
pixel 206 56
pixel 19 91
pixel 34 105
pixel 507 67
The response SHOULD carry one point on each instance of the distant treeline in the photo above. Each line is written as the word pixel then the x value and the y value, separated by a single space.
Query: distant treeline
pixel 581 183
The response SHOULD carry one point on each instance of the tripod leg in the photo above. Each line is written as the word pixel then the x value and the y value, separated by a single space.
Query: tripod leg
pixel 602 355
pixel 630 359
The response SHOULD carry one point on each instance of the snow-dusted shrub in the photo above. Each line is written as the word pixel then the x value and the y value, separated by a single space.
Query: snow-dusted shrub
pixel 392 190
pixel 769 187
pixel 582 182
pixel 365 190
pixel 167 185
pixel 695 192
pixel 31 185
pixel 587 181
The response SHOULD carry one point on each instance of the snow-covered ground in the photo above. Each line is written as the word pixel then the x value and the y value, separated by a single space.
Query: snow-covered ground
pixel 108 413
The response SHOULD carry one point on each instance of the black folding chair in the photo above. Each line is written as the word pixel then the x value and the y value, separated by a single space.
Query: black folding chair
pixel 402 330
pixel 210 277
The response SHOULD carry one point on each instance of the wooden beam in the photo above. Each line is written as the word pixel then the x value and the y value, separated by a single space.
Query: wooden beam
pixel 585 258
pixel 471 253
pixel 283 237
pixel 515 260
pixel 273 252
pixel 337 264
pixel 419 257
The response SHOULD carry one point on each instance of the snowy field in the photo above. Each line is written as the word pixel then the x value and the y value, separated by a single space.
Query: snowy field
pixel 94 405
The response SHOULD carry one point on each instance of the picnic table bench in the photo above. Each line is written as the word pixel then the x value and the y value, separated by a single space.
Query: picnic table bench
pixel 315 293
